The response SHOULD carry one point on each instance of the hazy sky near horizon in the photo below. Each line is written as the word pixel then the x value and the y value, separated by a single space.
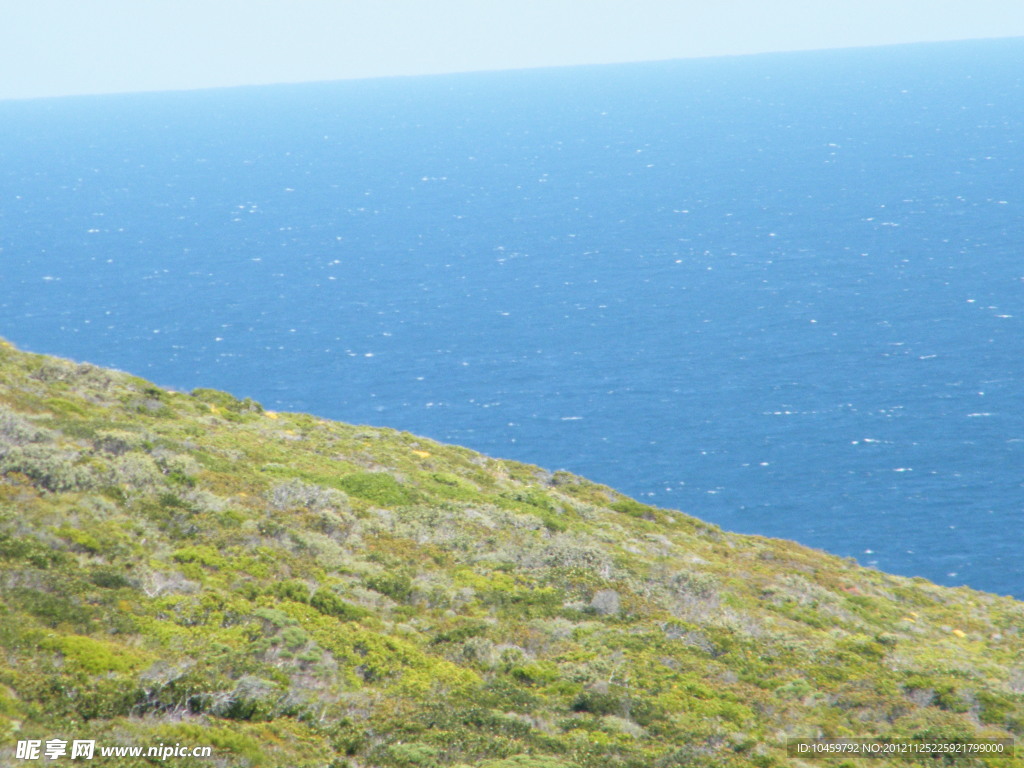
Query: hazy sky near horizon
pixel 65 47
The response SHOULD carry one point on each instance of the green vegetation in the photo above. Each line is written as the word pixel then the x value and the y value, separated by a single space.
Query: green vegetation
pixel 295 592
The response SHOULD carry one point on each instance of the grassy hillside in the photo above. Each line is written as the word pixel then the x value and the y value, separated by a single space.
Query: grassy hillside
pixel 193 569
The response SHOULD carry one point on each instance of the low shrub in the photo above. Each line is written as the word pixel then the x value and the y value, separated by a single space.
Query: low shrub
pixel 377 487
pixel 294 494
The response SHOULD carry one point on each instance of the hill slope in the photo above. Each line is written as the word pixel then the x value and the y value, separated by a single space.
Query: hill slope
pixel 191 569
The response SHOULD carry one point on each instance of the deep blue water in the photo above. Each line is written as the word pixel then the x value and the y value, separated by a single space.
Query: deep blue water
pixel 784 293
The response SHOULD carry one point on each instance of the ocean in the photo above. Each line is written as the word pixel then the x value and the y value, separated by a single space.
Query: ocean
pixel 783 293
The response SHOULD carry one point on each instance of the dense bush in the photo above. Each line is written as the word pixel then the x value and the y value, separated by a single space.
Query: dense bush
pixel 397 586
pixel 51 468
pixel 330 604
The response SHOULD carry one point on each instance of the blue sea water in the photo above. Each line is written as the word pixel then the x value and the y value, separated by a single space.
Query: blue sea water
pixel 784 293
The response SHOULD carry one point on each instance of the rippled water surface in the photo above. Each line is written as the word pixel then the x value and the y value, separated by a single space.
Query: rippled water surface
pixel 782 293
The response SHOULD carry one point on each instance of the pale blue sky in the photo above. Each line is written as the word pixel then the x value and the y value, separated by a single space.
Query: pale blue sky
pixel 61 47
